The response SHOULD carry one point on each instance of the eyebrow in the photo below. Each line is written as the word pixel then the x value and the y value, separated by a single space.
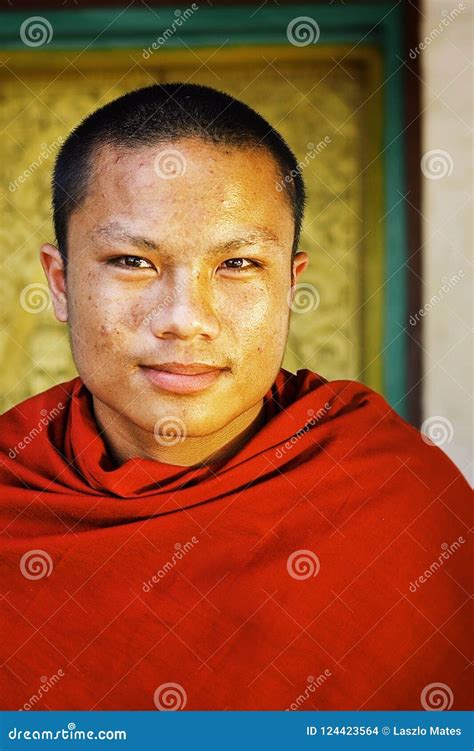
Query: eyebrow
pixel 114 232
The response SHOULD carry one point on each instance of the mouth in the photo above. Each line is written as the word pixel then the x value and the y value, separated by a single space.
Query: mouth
pixel 181 378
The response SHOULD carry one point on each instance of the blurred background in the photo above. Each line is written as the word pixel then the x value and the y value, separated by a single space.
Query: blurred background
pixel 374 100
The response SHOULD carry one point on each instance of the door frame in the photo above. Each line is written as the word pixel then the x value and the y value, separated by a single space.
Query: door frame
pixel 377 26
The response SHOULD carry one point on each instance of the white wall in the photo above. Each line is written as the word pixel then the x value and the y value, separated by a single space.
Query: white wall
pixel 447 228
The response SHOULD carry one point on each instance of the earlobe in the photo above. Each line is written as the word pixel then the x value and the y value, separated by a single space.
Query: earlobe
pixel 53 266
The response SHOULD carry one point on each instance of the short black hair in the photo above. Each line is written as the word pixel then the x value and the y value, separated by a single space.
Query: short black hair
pixel 163 113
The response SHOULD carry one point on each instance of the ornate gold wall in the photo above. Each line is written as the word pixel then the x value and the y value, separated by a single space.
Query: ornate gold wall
pixel 321 102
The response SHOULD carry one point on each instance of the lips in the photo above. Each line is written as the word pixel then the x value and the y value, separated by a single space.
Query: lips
pixel 179 378
pixel 194 368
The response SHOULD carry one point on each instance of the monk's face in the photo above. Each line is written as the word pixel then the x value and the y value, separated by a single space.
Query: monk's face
pixel 181 253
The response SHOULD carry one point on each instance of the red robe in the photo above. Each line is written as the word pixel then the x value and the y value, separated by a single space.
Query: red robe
pixel 324 566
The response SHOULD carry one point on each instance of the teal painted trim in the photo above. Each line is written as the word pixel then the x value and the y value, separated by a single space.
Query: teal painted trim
pixel 378 25
pixel 395 337
pixel 139 27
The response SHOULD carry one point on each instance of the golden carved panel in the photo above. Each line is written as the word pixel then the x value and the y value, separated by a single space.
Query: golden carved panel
pixel 319 105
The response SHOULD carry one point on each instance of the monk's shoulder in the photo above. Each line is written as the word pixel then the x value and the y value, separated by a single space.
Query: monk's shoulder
pixel 22 422
pixel 374 434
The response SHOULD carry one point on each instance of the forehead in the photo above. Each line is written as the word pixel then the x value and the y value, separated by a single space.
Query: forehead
pixel 189 182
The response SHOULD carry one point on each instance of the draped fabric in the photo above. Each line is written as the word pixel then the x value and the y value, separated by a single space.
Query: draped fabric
pixel 322 566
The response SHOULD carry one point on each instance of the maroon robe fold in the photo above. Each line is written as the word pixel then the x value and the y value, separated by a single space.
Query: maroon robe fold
pixel 323 566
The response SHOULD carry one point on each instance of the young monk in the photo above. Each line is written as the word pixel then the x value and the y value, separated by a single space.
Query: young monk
pixel 186 525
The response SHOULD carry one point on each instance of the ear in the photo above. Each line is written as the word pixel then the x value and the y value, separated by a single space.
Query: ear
pixel 299 264
pixel 53 266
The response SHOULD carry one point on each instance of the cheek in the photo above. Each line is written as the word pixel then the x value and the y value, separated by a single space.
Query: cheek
pixel 258 318
pixel 96 302
pixel 100 317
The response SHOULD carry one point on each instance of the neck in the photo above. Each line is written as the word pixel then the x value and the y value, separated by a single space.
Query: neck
pixel 125 440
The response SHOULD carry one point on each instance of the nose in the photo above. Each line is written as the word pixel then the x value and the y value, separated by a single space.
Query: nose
pixel 185 309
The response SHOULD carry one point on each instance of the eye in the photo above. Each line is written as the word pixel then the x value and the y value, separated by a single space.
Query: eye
pixel 237 264
pixel 131 262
